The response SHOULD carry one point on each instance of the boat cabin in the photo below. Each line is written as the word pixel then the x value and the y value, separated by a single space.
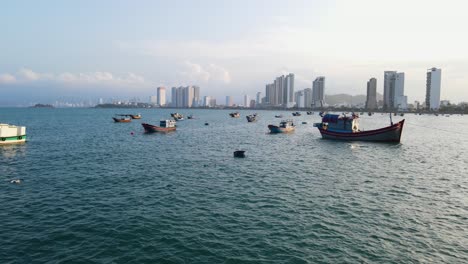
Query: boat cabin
pixel 341 123
pixel 286 124
pixel 167 123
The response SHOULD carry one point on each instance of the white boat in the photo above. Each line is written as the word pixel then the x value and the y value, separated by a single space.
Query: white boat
pixel 12 134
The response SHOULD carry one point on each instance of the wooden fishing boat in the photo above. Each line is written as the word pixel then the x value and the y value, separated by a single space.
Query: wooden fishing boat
pixel 164 126
pixel 137 116
pixel 347 128
pixel 251 118
pixel 122 119
pixel 296 114
pixel 235 114
pixel 284 127
pixel 177 116
pixel 12 134
pixel 279 116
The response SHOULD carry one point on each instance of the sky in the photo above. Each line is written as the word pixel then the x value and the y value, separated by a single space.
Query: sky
pixel 52 50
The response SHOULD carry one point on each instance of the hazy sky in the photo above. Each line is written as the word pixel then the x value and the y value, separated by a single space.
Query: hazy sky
pixel 58 49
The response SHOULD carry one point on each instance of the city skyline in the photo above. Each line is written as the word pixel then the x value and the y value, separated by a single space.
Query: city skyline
pixel 224 48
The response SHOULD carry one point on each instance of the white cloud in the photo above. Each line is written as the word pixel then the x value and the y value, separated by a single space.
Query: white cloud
pixel 98 77
pixel 197 73
pixel 29 75
pixel 7 78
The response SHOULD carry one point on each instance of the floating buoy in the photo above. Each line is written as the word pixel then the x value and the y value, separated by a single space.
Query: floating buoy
pixel 239 154
pixel 206 124
pixel 131 133
pixel 16 181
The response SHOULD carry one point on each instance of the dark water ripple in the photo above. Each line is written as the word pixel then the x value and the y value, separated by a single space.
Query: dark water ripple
pixel 93 193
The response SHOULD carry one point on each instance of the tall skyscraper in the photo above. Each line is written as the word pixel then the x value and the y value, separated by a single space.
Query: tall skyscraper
pixel 318 92
pixel 299 99
pixel 371 100
pixel 161 94
pixel 394 88
pixel 246 101
pixel 196 96
pixel 229 102
pixel 433 81
pixel 288 92
pixel 307 97
pixel 281 91
pixel 258 99
pixel 174 96
pixel 206 101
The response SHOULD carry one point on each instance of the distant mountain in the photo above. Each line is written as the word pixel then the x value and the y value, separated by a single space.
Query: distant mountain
pixel 348 99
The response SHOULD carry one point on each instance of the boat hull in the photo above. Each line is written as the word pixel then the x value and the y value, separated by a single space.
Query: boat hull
pixel 387 134
pixel 152 129
pixel 12 140
pixel 276 129
pixel 118 120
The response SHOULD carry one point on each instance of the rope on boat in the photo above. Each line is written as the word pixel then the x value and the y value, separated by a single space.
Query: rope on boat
pixel 444 130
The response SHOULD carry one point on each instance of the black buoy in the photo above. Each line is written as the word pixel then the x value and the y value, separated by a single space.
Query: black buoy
pixel 206 124
pixel 239 154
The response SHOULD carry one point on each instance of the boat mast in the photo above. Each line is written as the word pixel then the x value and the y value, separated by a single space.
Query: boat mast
pixel 391 122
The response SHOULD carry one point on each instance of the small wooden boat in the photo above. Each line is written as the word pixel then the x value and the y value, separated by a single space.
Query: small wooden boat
pixel 177 116
pixel 296 114
pixel 137 116
pixel 279 116
pixel 284 127
pixel 310 113
pixel 122 119
pixel 252 118
pixel 164 126
pixel 190 117
pixel 347 128
pixel 12 134
pixel 235 114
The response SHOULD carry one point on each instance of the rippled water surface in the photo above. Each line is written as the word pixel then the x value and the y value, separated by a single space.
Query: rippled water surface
pixel 93 192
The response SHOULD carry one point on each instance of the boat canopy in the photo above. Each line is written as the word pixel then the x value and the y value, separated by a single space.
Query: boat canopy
pixel 329 118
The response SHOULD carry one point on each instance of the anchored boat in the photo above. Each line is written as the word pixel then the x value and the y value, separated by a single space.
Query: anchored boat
pixel 284 127
pixel 12 134
pixel 122 119
pixel 252 118
pixel 137 116
pixel 164 126
pixel 343 127
pixel 235 114
pixel 296 114
pixel 177 116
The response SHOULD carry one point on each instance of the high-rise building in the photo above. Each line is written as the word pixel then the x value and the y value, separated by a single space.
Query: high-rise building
pixel 300 99
pixel 173 96
pixel 213 102
pixel 371 100
pixel 258 100
pixel 318 92
pixel 433 81
pixel 394 88
pixel 161 96
pixel 270 94
pixel 307 97
pixel 229 102
pixel 281 91
pixel 288 97
pixel 153 99
pixel 206 101
pixel 196 96
pixel 246 101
